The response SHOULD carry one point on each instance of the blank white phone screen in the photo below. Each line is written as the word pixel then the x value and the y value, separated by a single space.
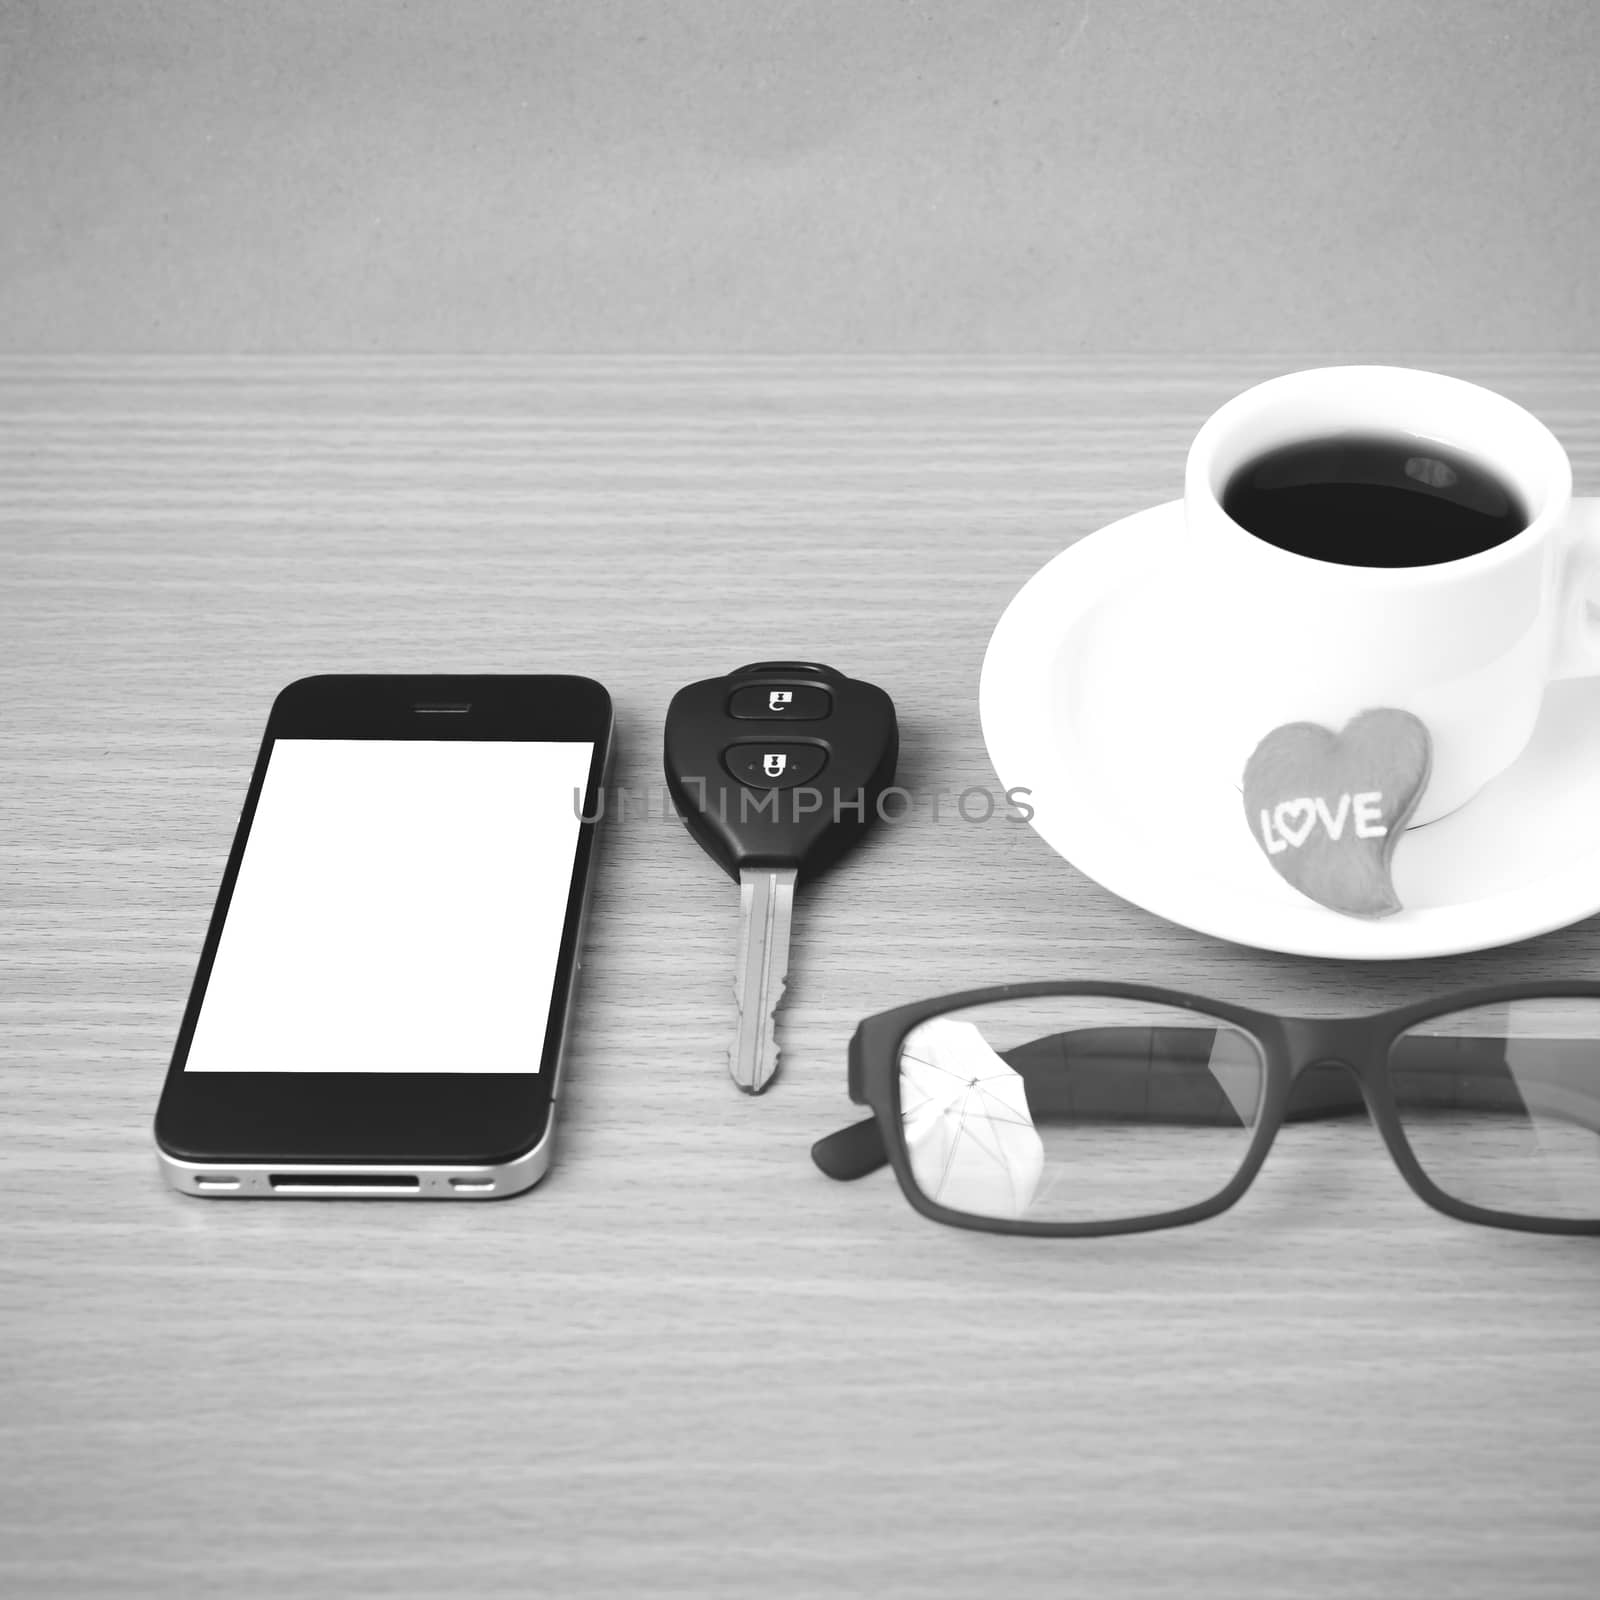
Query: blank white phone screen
pixel 399 908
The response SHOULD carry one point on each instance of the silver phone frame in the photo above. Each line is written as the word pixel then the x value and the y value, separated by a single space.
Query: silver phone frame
pixel 252 1180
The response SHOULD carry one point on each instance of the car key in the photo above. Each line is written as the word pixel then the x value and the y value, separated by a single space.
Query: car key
pixel 777 769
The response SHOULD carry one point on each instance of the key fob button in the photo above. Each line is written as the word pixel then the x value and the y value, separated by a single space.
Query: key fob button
pixel 774 765
pixel 780 702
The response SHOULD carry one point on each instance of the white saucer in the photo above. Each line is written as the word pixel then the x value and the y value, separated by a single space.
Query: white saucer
pixel 1082 704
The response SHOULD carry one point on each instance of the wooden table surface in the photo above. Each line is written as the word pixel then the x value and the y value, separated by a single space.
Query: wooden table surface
pixel 687 1363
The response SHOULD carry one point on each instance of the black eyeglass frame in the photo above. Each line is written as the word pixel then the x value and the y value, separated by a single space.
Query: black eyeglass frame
pixel 1288 1045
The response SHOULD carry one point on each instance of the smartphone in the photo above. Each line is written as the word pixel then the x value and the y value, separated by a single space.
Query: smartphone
pixel 382 999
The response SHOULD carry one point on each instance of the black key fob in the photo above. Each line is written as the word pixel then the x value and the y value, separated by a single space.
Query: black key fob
pixel 780 764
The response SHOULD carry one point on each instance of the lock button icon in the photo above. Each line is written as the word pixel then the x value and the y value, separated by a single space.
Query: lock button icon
pixel 774 765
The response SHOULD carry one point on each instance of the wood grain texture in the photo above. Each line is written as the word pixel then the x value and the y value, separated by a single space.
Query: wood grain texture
pixel 686 1364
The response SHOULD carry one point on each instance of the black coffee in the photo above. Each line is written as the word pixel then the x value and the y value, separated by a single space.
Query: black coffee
pixel 1372 501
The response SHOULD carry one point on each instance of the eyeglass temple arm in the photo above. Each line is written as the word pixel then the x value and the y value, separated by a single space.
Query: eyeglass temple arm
pixel 852 1152
pixel 858 1150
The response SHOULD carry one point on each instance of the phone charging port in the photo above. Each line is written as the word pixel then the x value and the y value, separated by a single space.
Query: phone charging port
pixel 321 1182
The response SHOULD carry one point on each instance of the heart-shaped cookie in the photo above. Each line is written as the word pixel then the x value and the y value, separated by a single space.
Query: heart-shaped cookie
pixel 1328 808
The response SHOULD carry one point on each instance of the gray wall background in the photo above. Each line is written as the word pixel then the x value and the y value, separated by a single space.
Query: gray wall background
pixel 727 175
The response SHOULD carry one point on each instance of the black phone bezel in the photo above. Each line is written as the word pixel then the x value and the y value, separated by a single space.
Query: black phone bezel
pixel 465 1118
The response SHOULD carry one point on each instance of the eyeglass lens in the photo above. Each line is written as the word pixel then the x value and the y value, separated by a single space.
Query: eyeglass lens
pixel 1068 1108
pixel 1500 1104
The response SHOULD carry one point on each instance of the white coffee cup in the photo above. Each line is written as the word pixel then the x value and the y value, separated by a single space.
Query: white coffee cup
pixel 1467 645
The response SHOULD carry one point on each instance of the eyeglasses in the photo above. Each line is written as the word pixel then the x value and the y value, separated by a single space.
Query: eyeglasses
pixel 1088 1108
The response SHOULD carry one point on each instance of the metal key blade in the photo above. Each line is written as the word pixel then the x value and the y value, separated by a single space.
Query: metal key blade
pixel 766 908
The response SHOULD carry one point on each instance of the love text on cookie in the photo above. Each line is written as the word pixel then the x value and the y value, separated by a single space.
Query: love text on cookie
pixel 1290 823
